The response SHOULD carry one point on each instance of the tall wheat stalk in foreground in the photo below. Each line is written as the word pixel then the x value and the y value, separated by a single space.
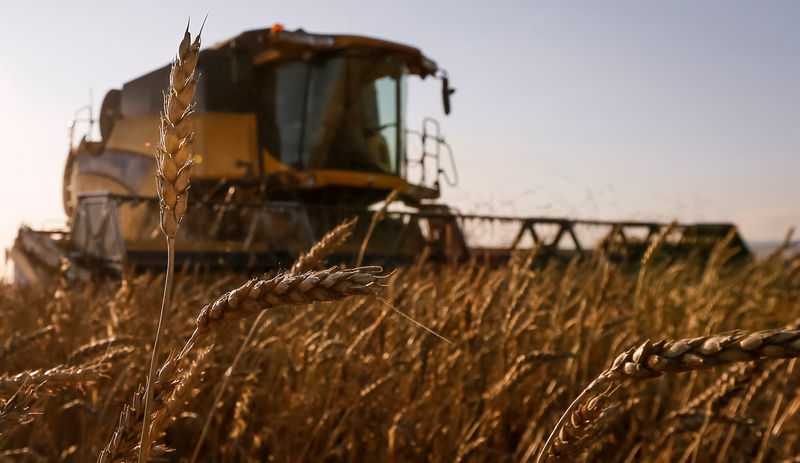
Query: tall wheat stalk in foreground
pixel 173 165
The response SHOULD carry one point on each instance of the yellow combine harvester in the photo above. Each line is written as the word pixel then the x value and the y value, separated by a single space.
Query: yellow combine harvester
pixel 294 133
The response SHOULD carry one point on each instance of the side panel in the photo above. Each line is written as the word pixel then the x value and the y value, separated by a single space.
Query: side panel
pixel 225 144
pixel 137 134
pixel 114 171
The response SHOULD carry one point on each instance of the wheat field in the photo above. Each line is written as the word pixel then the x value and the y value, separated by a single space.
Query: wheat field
pixel 596 359
pixel 351 380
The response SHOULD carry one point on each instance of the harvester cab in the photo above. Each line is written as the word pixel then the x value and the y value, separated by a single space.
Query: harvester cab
pixel 294 133
pixel 305 116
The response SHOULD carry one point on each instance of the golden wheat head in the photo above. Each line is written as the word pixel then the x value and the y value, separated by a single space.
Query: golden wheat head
pixel 174 152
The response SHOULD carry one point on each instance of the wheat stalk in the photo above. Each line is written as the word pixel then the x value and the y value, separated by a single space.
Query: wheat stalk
pixel 174 151
pixel 173 165
pixel 179 394
pixel 651 360
pixel 306 262
pixel 16 410
pixel 693 420
pixel 125 440
pixel 88 352
pixel 124 443
pixel 17 343
pixel 250 298
pixel 717 395
pixel 522 366
pixel 324 247
pixel 286 289
pixel 376 217
pixel 585 423
pixel 655 245
pixel 52 379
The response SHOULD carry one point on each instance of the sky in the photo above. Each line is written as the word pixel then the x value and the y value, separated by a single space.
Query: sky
pixel 615 110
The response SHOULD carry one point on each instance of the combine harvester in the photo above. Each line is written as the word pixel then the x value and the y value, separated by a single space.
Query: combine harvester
pixel 295 132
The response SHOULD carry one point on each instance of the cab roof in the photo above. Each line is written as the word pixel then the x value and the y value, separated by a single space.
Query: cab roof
pixel 275 43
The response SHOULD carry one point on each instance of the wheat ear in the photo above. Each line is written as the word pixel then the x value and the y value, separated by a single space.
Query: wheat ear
pixel 254 296
pixel 16 410
pixel 181 392
pixel 650 360
pixel 52 379
pixel 717 395
pixel 654 246
pixel 308 261
pixel 580 431
pixel 174 151
pixel 91 351
pixel 173 165
pixel 285 289
pixel 317 254
pixel 376 217
pixel 124 442
pixel 17 343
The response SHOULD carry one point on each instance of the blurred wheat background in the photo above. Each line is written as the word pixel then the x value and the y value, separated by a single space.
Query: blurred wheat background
pixel 352 381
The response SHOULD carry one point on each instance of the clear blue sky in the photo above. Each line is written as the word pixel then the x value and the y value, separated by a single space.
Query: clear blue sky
pixel 641 110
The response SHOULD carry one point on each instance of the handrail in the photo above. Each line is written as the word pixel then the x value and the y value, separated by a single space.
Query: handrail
pixel 75 119
pixel 431 130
